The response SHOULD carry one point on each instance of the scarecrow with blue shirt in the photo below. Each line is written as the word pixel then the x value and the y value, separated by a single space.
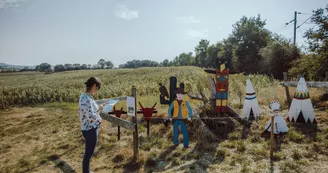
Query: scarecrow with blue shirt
pixel 181 112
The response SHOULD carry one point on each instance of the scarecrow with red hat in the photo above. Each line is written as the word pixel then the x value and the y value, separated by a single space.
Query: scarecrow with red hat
pixel 181 112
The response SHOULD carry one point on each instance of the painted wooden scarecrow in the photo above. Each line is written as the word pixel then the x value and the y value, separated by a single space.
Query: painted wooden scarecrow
pixel 280 126
pixel 181 111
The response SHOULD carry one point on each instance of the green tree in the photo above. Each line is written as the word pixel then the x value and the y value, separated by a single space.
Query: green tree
pixel 101 63
pixel 59 68
pixel 225 53
pixel 68 66
pixel 249 36
pixel 43 67
pixel 212 55
pixel 109 64
pixel 277 57
pixel 318 41
pixel 166 63
pixel 201 52
pixel 84 66
pixel 77 66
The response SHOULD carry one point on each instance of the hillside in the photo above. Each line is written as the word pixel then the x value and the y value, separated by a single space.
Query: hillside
pixel 41 130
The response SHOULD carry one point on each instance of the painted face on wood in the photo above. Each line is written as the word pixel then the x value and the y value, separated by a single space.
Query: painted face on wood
pixel 179 96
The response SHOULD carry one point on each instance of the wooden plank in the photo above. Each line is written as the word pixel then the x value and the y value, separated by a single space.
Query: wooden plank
pixel 124 112
pixel 120 122
pixel 234 114
pixel 312 84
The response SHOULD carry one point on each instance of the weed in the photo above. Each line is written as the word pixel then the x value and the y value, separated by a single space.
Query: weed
pixel 289 166
pixel 150 162
pixel 234 135
pixel 259 153
pixel 294 135
pixel 296 155
pixel 118 158
pixel 241 146
pixel 277 156
pixel 220 154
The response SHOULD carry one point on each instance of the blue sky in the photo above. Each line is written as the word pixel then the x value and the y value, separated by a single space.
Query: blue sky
pixel 84 31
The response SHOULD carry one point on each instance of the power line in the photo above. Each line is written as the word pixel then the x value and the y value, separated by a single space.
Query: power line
pixel 304 13
pixel 304 22
pixel 289 22
pixel 299 29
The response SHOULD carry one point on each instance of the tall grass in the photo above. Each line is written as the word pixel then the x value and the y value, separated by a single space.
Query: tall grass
pixel 35 88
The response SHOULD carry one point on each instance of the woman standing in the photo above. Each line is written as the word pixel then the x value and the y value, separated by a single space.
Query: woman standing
pixel 90 120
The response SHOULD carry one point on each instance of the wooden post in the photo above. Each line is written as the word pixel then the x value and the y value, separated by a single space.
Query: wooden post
pixel 147 127
pixel 326 79
pixel 289 100
pixel 134 119
pixel 272 141
pixel 173 87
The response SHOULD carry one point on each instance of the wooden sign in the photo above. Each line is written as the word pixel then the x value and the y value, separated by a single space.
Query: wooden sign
pixel 131 106
pixel 120 122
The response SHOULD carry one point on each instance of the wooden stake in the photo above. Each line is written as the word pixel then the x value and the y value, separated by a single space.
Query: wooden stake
pixel 272 141
pixel 289 100
pixel 147 127
pixel 134 119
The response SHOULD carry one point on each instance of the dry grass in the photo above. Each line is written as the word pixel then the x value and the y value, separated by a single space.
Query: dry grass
pixel 47 139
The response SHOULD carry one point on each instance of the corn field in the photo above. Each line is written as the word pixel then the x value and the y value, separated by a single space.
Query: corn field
pixel 31 88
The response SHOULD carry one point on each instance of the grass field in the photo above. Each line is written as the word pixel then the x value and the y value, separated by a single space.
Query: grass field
pixel 40 130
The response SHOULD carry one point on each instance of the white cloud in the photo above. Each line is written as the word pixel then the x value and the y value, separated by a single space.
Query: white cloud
pixel 195 34
pixel 189 19
pixel 123 12
pixel 10 3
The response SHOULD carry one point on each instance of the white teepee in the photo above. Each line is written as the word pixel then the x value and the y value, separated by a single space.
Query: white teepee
pixel 301 109
pixel 251 106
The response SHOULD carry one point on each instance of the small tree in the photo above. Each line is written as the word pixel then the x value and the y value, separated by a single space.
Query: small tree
pixel 101 63
pixel 109 64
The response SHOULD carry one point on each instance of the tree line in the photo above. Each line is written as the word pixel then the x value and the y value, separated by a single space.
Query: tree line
pixel 102 64
pixel 251 48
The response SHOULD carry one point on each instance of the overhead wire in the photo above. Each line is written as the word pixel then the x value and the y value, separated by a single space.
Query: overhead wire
pixel 304 22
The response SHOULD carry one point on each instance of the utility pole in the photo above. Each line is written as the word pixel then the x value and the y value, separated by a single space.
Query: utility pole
pixel 295 22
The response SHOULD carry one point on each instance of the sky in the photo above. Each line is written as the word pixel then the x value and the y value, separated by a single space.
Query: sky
pixel 84 31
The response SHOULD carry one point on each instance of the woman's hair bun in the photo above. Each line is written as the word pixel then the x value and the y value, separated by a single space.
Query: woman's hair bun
pixel 91 81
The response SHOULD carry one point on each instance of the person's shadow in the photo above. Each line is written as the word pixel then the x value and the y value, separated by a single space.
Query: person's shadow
pixel 61 164
pixel 58 163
